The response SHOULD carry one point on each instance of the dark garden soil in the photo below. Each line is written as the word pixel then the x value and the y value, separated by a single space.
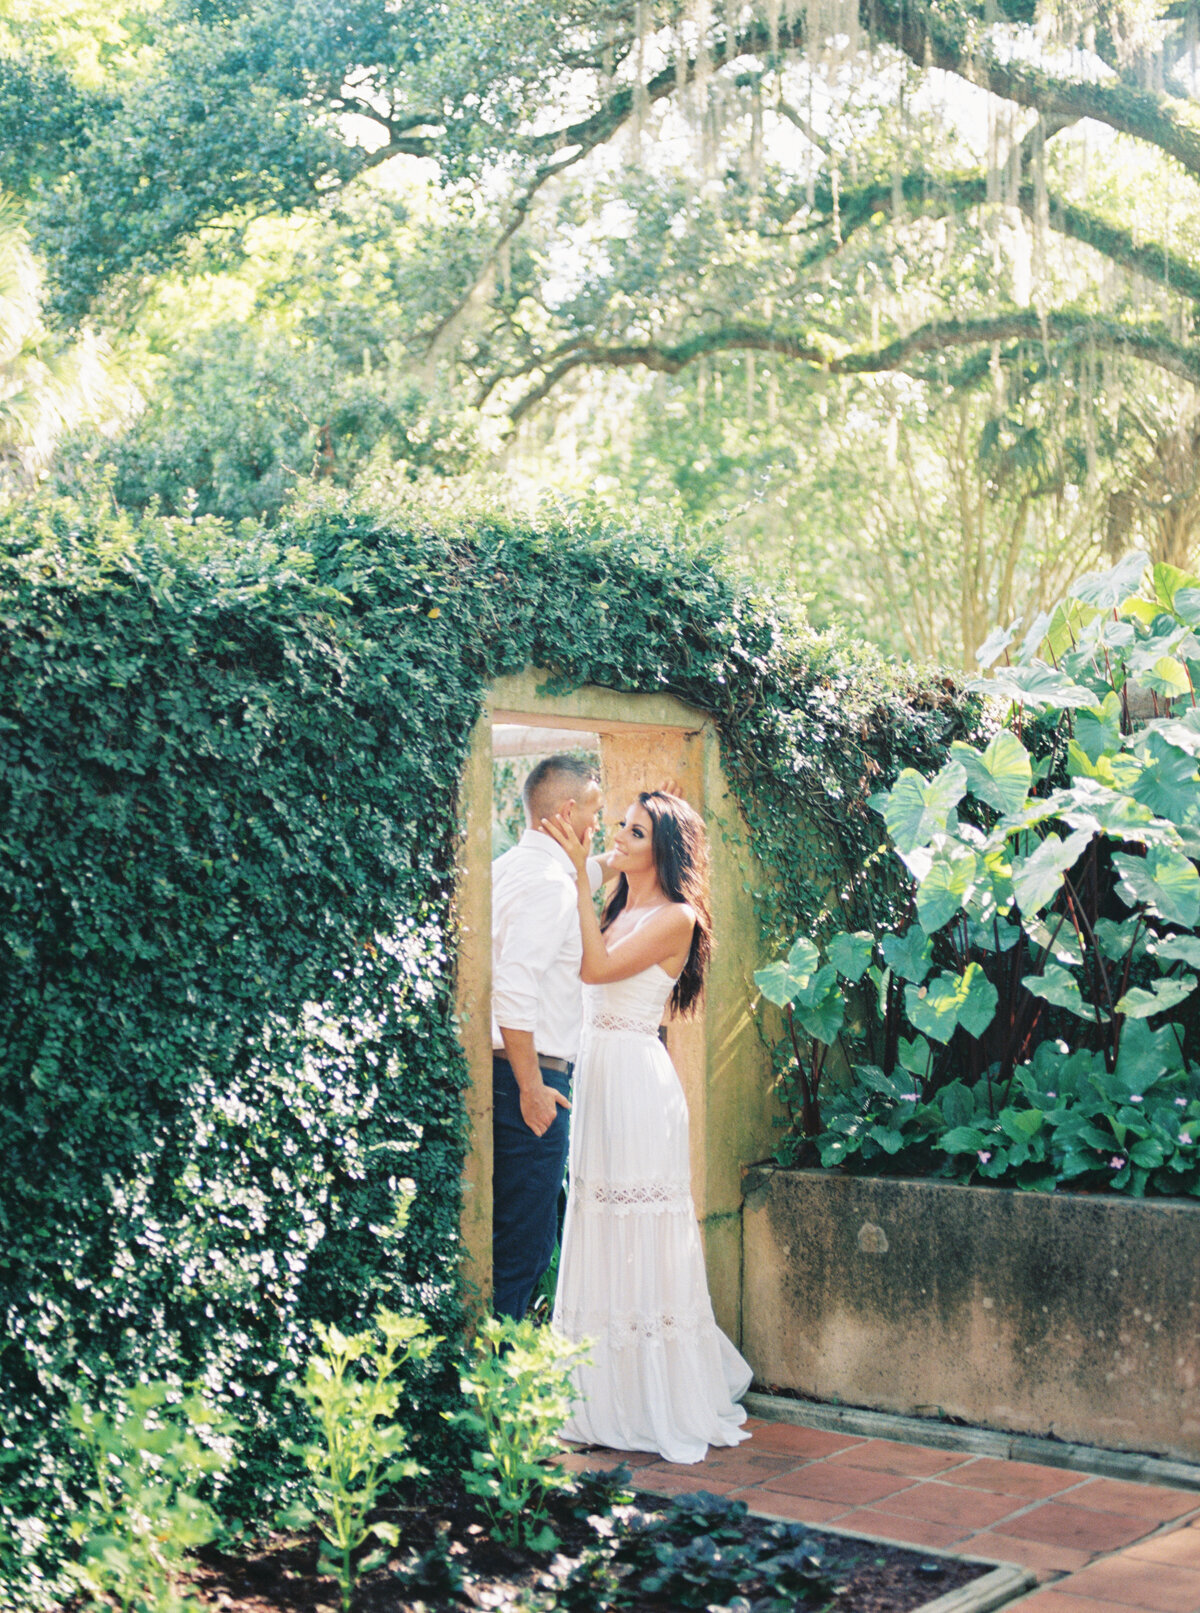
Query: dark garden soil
pixel 450 1565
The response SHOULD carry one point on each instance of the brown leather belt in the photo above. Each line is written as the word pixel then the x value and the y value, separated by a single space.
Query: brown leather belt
pixel 546 1061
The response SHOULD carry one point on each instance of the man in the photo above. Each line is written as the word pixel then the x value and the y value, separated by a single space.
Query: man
pixel 537 1010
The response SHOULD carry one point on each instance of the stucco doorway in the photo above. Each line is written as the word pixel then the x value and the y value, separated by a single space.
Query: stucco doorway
pixel 724 1066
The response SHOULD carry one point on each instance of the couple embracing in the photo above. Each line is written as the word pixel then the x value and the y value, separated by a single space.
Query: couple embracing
pixel 568 986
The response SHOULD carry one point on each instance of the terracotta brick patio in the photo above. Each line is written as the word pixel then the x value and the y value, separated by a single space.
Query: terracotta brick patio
pixel 1098 1545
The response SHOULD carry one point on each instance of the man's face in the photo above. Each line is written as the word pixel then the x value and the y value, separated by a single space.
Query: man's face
pixel 585 814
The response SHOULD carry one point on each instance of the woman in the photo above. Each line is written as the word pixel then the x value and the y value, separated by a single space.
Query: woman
pixel 662 1377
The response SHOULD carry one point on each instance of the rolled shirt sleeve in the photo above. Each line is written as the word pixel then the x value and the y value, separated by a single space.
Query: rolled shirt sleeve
pixel 532 938
pixel 536 945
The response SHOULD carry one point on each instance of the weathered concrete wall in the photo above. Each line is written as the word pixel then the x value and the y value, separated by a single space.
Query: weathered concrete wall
pixel 1068 1314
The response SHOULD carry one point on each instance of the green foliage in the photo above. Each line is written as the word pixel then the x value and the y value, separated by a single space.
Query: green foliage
pixel 1039 931
pixel 143 1513
pixel 352 1396
pixel 517 1388
pixel 698 1553
pixel 1065 1119
pixel 227 863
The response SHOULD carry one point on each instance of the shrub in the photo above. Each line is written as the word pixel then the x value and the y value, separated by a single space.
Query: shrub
pixel 352 1392
pixel 1053 914
pixel 228 775
pixel 517 1390
pixel 143 1512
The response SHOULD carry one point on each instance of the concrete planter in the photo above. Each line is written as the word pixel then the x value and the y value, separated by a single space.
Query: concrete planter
pixel 1070 1315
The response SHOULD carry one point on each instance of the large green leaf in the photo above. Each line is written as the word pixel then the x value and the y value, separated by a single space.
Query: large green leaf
pixel 1164 879
pixel 909 955
pixel 1168 783
pixel 1167 678
pixel 944 890
pixel 1106 589
pixel 1098 731
pixel 1186 605
pixel 1139 1004
pixel 1167 580
pixel 964 1140
pixel 994 645
pixel 1035 685
pixel 1146 1055
pixel 951 1000
pixel 780 982
pixel 1088 804
pixel 1037 878
pixel 1057 938
pixel 1114 937
pixel 821 1006
pixel 1174 948
pixel 914 1055
pixel 917 808
pixel 1055 985
pixel 850 953
pixel 1001 776
pixel 1182 732
pixel 957 1103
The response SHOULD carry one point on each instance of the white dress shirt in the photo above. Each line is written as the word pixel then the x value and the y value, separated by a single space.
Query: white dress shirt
pixel 536 944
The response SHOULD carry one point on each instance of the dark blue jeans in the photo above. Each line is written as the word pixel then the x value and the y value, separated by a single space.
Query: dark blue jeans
pixel 527 1175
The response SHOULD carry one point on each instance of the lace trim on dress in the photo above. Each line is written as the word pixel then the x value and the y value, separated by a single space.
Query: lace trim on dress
pixel 627 1198
pixel 603 1021
pixel 633 1329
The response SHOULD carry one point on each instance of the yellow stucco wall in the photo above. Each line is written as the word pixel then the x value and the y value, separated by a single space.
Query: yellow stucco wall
pixel 644 740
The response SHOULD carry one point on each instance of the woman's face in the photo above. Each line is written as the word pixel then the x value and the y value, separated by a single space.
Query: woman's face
pixel 632 842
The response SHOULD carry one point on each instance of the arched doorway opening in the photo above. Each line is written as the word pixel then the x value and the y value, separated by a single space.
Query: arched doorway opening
pixel 725 1068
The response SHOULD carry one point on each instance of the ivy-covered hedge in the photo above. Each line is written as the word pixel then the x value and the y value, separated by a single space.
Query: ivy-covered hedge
pixel 228 776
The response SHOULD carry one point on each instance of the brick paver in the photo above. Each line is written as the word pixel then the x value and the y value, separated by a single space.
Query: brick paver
pixel 1098 1545
pixel 1136 1583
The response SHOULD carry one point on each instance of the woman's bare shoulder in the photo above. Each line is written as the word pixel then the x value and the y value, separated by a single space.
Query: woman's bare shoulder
pixel 680 916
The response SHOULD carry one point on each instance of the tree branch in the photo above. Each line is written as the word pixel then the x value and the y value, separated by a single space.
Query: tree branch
pixel 928 39
pixel 1151 343
pixel 938 194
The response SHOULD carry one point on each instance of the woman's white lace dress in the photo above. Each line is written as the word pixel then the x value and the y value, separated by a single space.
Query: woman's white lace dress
pixel 663 1377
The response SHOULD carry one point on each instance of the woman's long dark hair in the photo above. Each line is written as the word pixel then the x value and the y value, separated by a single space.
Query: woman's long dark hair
pixel 680 848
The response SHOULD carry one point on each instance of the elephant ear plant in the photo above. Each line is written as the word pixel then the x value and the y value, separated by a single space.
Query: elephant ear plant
pixel 1053 913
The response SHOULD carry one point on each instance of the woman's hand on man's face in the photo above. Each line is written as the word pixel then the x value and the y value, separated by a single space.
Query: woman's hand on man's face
pixel 560 829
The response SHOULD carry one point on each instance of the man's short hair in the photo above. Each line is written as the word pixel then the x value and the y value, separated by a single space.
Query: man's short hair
pixel 554 780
